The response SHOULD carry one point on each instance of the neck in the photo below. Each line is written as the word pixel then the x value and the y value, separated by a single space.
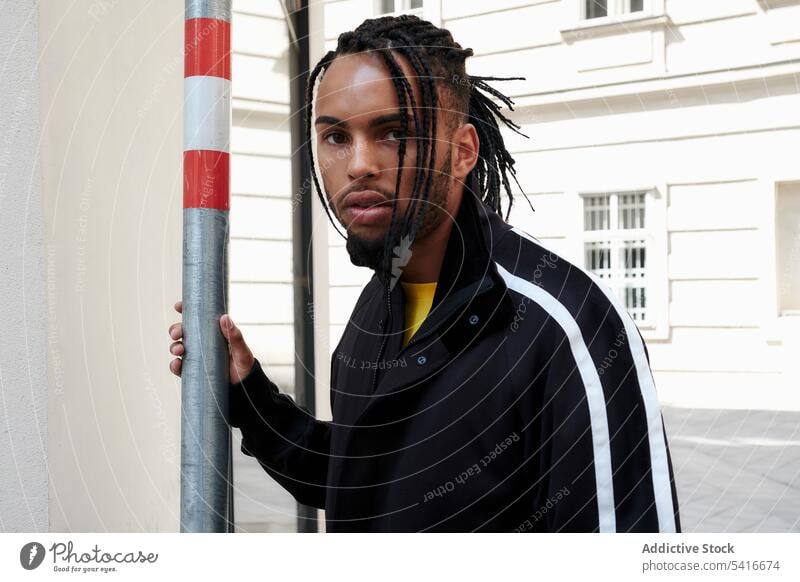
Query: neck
pixel 427 254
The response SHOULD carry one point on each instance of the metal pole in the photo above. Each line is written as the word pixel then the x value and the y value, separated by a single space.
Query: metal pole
pixel 302 223
pixel 206 469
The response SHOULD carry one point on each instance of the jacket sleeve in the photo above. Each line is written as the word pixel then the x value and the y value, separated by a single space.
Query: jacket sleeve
pixel 289 443
pixel 598 445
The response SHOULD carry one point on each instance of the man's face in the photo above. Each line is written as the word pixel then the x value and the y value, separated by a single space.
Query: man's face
pixel 358 131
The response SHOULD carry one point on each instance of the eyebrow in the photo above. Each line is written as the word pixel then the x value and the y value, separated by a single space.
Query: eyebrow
pixel 375 122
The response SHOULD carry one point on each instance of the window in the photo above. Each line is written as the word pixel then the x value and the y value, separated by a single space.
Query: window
pixel 602 8
pixel 596 8
pixel 400 7
pixel 615 246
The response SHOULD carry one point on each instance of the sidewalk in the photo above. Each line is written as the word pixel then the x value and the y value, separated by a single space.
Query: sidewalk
pixel 736 470
pixel 259 503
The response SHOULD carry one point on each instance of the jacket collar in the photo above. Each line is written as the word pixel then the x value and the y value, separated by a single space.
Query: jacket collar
pixel 468 270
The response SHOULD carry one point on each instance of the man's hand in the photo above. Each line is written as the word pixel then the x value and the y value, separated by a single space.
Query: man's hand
pixel 241 358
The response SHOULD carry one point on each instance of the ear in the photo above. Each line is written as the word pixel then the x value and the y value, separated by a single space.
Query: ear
pixel 465 148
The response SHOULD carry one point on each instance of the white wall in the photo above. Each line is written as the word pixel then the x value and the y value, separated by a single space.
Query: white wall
pixel 23 314
pixel 261 271
pixel 705 112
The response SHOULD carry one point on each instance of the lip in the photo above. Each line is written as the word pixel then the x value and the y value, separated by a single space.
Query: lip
pixel 364 198
pixel 366 207
pixel 366 216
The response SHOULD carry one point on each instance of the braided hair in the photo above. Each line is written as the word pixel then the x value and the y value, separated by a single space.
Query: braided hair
pixel 434 56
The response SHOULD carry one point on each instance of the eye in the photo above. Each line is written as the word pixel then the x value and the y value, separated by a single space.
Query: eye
pixel 334 138
pixel 395 134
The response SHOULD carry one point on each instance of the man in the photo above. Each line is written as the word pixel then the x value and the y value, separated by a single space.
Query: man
pixel 477 395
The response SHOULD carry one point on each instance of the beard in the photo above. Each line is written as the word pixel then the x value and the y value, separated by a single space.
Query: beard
pixel 365 252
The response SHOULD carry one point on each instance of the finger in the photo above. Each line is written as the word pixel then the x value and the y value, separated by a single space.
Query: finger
pixel 176 331
pixel 176 349
pixel 175 366
pixel 179 306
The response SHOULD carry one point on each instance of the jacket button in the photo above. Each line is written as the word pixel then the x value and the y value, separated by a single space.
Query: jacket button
pixel 422 360
pixel 473 319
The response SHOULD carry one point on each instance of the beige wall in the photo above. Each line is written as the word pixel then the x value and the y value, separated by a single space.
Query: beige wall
pixel 112 147
pixel 111 162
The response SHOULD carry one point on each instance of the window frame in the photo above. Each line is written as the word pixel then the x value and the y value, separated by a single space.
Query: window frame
pixel 577 27
pixel 780 325
pixel 781 310
pixel 656 282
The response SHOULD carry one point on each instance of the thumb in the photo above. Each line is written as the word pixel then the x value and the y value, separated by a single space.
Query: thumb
pixel 229 330
pixel 241 356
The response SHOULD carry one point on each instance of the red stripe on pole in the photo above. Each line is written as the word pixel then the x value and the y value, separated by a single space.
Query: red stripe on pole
pixel 207 48
pixel 206 179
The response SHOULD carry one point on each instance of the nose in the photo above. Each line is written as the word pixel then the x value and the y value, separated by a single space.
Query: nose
pixel 362 162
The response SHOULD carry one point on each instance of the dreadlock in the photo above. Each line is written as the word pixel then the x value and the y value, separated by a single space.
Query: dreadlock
pixel 434 56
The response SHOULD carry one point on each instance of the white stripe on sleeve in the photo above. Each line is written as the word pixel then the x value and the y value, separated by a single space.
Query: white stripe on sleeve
pixel 607 517
pixel 655 429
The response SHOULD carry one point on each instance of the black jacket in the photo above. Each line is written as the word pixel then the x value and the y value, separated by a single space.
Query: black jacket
pixel 524 402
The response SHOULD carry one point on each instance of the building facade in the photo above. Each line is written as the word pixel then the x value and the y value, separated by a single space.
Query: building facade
pixel 662 155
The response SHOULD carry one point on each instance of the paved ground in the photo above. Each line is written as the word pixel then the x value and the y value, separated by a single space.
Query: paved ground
pixel 737 471
pixel 259 503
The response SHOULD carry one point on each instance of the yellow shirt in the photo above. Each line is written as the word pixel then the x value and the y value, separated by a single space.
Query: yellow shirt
pixel 419 298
